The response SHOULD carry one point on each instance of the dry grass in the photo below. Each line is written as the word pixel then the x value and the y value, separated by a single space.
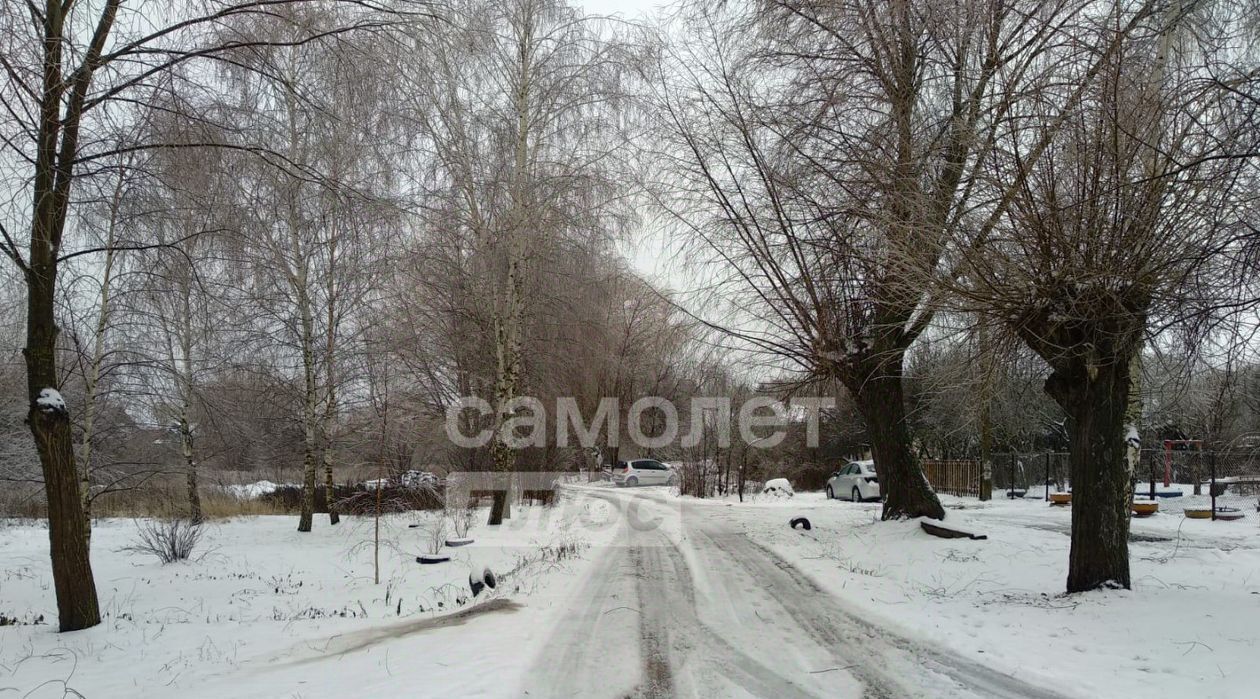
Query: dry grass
pixel 166 496
pixel 22 501
pixel 157 499
pixel 220 505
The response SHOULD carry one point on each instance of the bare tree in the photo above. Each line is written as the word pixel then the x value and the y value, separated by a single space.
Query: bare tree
pixel 515 114
pixel 825 153
pixel 315 238
pixel 1127 225
pixel 69 72
pixel 93 359
pixel 182 315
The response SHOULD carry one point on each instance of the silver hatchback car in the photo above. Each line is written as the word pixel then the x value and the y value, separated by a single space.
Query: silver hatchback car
pixel 644 472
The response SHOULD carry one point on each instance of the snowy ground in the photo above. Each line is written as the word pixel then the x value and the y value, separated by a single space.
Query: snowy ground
pixel 667 596
pixel 269 612
pixel 1190 626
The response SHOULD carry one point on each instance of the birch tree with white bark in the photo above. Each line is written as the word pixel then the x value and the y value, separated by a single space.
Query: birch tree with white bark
pixel 515 102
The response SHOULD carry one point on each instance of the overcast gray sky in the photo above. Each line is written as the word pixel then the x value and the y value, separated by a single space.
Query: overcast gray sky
pixel 647 251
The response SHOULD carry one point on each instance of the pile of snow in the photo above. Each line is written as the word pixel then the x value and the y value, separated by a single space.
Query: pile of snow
pixel 779 487
pixel 250 491
pixel 50 401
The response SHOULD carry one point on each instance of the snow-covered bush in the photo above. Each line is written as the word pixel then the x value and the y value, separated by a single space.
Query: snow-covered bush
pixel 172 539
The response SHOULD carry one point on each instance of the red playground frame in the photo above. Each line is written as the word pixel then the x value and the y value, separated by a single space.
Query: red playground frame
pixel 1168 450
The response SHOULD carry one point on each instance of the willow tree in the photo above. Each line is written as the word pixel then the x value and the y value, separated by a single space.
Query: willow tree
pixel 1131 223
pixel 827 152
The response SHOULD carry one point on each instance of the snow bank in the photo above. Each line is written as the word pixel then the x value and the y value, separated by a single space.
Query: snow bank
pixel 272 612
pixel 780 487
pixel 250 491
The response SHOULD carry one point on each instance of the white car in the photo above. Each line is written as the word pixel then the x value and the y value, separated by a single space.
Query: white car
pixel 856 481
pixel 644 472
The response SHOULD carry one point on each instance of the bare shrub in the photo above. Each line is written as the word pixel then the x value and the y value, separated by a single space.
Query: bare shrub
pixel 462 518
pixel 171 539
pixel 698 478
pixel 359 499
pixel 435 535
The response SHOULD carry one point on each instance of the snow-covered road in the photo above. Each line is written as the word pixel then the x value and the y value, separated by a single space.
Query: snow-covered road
pixel 616 593
pixel 686 604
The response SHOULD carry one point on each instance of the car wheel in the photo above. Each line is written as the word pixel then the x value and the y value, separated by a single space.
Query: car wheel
pixel 672 480
pixel 857 494
pixel 831 495
pixel 632 481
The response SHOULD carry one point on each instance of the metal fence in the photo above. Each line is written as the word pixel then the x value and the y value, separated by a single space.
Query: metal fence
pixel 954 476
pixel 1198 481
pixel 1016 475
pixel 1030 473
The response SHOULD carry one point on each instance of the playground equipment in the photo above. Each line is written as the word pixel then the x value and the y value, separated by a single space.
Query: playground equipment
pixel 1169 444
pixel 1227 514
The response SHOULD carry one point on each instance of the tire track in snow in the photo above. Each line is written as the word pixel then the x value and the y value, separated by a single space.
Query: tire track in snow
pixel 588 647
pixel 654 640
pixel 694 653
pixel 814 609
pixel 677 654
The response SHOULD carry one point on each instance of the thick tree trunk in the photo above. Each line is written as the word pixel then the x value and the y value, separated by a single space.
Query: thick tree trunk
pixel 507 377
pixel 504 463
pixel 55 155
pixel 306 518
pixel 1096 397
pixel 77 606
pixel 906 490
pixel 194 498
pixel 187 379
